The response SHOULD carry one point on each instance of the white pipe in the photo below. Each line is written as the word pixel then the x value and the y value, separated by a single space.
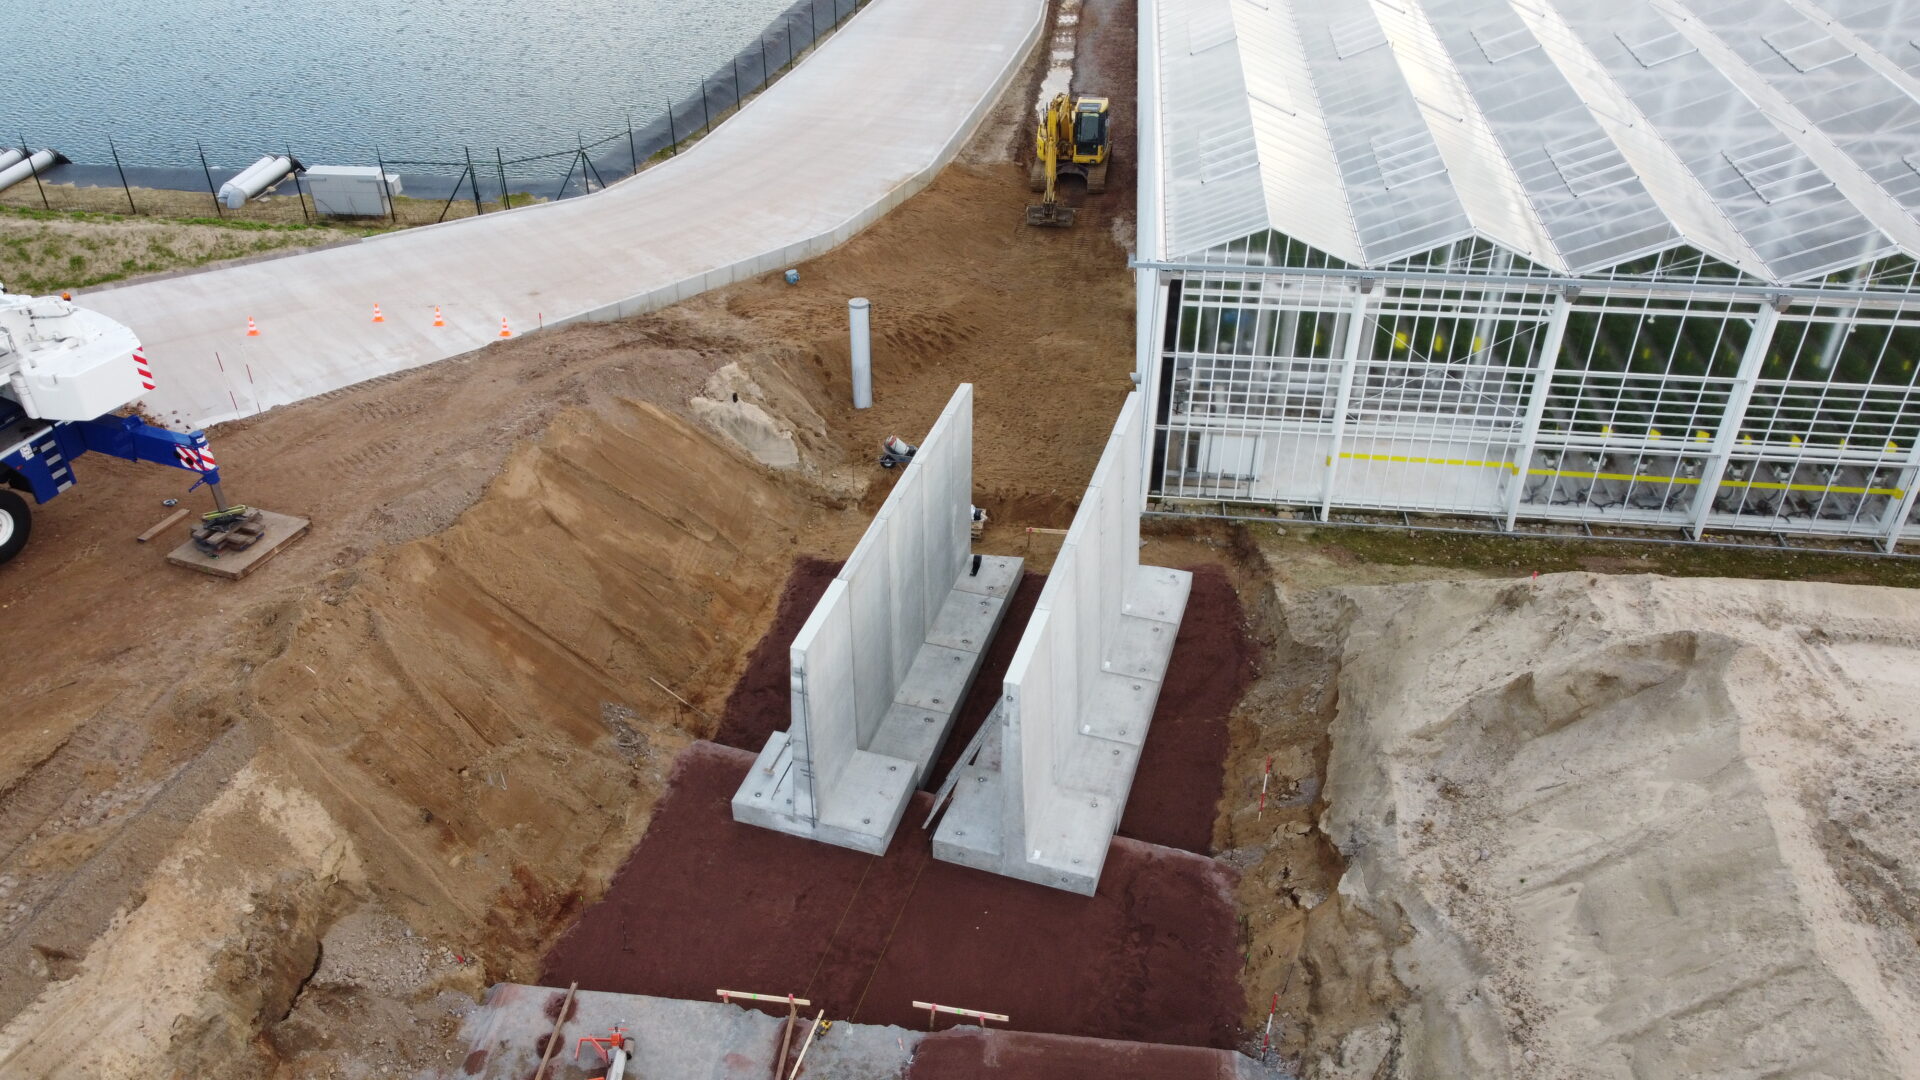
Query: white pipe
pixel 254 179
pixel 10 156
pixel 42 160
pixel 857 326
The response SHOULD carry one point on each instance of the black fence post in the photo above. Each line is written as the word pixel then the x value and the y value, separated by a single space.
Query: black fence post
pixel 132 209
pixel 299 190
pixel 473 177
pixel 705 114
pixel 632 150
pixel 211 194
pixel 739 92
pixel 500 163
pixel 813 19
pixel 673 140
pixel 386 193
pixel 787 34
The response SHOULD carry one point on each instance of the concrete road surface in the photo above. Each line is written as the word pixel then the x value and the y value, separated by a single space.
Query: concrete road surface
pixel 857 127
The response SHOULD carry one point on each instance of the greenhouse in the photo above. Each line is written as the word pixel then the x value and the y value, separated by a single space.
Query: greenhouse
pixel 1644 263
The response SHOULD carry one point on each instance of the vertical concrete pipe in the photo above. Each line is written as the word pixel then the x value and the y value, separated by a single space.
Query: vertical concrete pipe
pixel 857 329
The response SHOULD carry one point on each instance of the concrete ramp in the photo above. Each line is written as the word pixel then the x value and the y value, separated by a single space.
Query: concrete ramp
pixel 881 666
pixel 1040 795
pixel 854 130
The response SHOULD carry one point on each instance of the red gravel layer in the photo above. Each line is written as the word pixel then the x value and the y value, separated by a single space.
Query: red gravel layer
pixel 761 702
pixel 705 902
pixel 1176 792
pixel 1016 1055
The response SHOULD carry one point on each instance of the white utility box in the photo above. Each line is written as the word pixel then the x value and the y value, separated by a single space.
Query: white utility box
pixel 350 190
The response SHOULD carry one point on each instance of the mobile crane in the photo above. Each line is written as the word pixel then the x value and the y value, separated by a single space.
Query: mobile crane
pixel 1072 137
pixel 65 372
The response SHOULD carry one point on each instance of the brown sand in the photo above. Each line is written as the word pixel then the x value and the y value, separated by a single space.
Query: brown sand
pixel 706 902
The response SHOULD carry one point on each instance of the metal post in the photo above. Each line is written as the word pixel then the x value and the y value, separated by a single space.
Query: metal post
pixel 132 209
pixel 704 113
pixel 673 140
pixel 1898 509
pixel 739 92
pixel 386 193
pixel 473 177
pixel 211 194
pixel 35 170
pixel 1735 414
pixel 1537 404
pixel 1358 333
pixel 813 20
pixel 299 189
pixel 632 150
pixel 500 165
pixel 786 34
pixel 763 61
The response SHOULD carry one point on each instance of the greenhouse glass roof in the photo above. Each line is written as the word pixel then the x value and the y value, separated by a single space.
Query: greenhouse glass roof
pixel 1781 137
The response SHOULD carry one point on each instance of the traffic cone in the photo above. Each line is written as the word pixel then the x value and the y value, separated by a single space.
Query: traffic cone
pixel 252 330
pixel 377 317
pixel 504 332
pixel 437 320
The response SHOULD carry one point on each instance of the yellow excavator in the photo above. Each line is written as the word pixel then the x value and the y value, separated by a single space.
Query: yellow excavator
pixel 1073 137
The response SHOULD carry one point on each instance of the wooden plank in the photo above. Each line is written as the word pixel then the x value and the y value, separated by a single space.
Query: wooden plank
pixel 165 523
pixel 553 1039
pixel 234 565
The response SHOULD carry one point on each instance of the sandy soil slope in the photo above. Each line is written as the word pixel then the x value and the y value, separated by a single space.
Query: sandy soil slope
pixel 1630 826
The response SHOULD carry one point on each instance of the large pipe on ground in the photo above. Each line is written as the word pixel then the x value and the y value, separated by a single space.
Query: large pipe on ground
pixel 857 329
pixel 255 179
pixel 41 161
pixel 11 156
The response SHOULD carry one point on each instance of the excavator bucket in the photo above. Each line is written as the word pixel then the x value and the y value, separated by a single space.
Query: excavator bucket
pixel 1050 215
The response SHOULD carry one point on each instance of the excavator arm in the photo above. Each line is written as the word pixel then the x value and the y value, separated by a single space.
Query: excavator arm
pixel 1053 122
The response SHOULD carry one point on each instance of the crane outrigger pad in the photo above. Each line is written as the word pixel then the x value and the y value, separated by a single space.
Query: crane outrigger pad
pixel 1051 215
pixel 277 531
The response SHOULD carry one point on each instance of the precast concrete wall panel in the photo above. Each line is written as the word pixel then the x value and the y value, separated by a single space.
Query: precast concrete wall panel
pixel 886 657
pixel 825 688
pixel 1078 697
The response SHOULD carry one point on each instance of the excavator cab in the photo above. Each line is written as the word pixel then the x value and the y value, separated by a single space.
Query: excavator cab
pixel 1090 143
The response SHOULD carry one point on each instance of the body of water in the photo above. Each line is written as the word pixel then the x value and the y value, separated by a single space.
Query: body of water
pixel 339 79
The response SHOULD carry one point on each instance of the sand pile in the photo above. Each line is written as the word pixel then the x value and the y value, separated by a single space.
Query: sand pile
pixel 1631 826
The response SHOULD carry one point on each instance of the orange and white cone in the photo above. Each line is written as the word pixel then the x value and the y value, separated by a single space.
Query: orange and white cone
pixel 252 330
pixel 504 332
pixel 437 320
pixel 377 317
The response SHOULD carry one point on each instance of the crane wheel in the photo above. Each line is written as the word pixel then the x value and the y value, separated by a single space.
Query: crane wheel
pixel 16 521
pixel 1036 177
pixel 1096 179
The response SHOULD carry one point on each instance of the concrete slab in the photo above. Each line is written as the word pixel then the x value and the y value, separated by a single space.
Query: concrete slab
pixel 800 169
pixel 711 1040
pixel 281 530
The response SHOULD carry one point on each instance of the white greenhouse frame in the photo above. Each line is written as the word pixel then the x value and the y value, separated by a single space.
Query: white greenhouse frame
pixel 1469 257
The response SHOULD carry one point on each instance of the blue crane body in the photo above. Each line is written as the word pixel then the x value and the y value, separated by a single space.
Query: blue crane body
pixel 64 373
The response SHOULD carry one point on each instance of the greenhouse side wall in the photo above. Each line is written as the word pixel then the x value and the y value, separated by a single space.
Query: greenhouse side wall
pixel 1702 408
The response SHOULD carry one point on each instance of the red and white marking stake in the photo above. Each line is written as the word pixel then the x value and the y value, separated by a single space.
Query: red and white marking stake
pixel 935 1010
pixel 1266 1040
